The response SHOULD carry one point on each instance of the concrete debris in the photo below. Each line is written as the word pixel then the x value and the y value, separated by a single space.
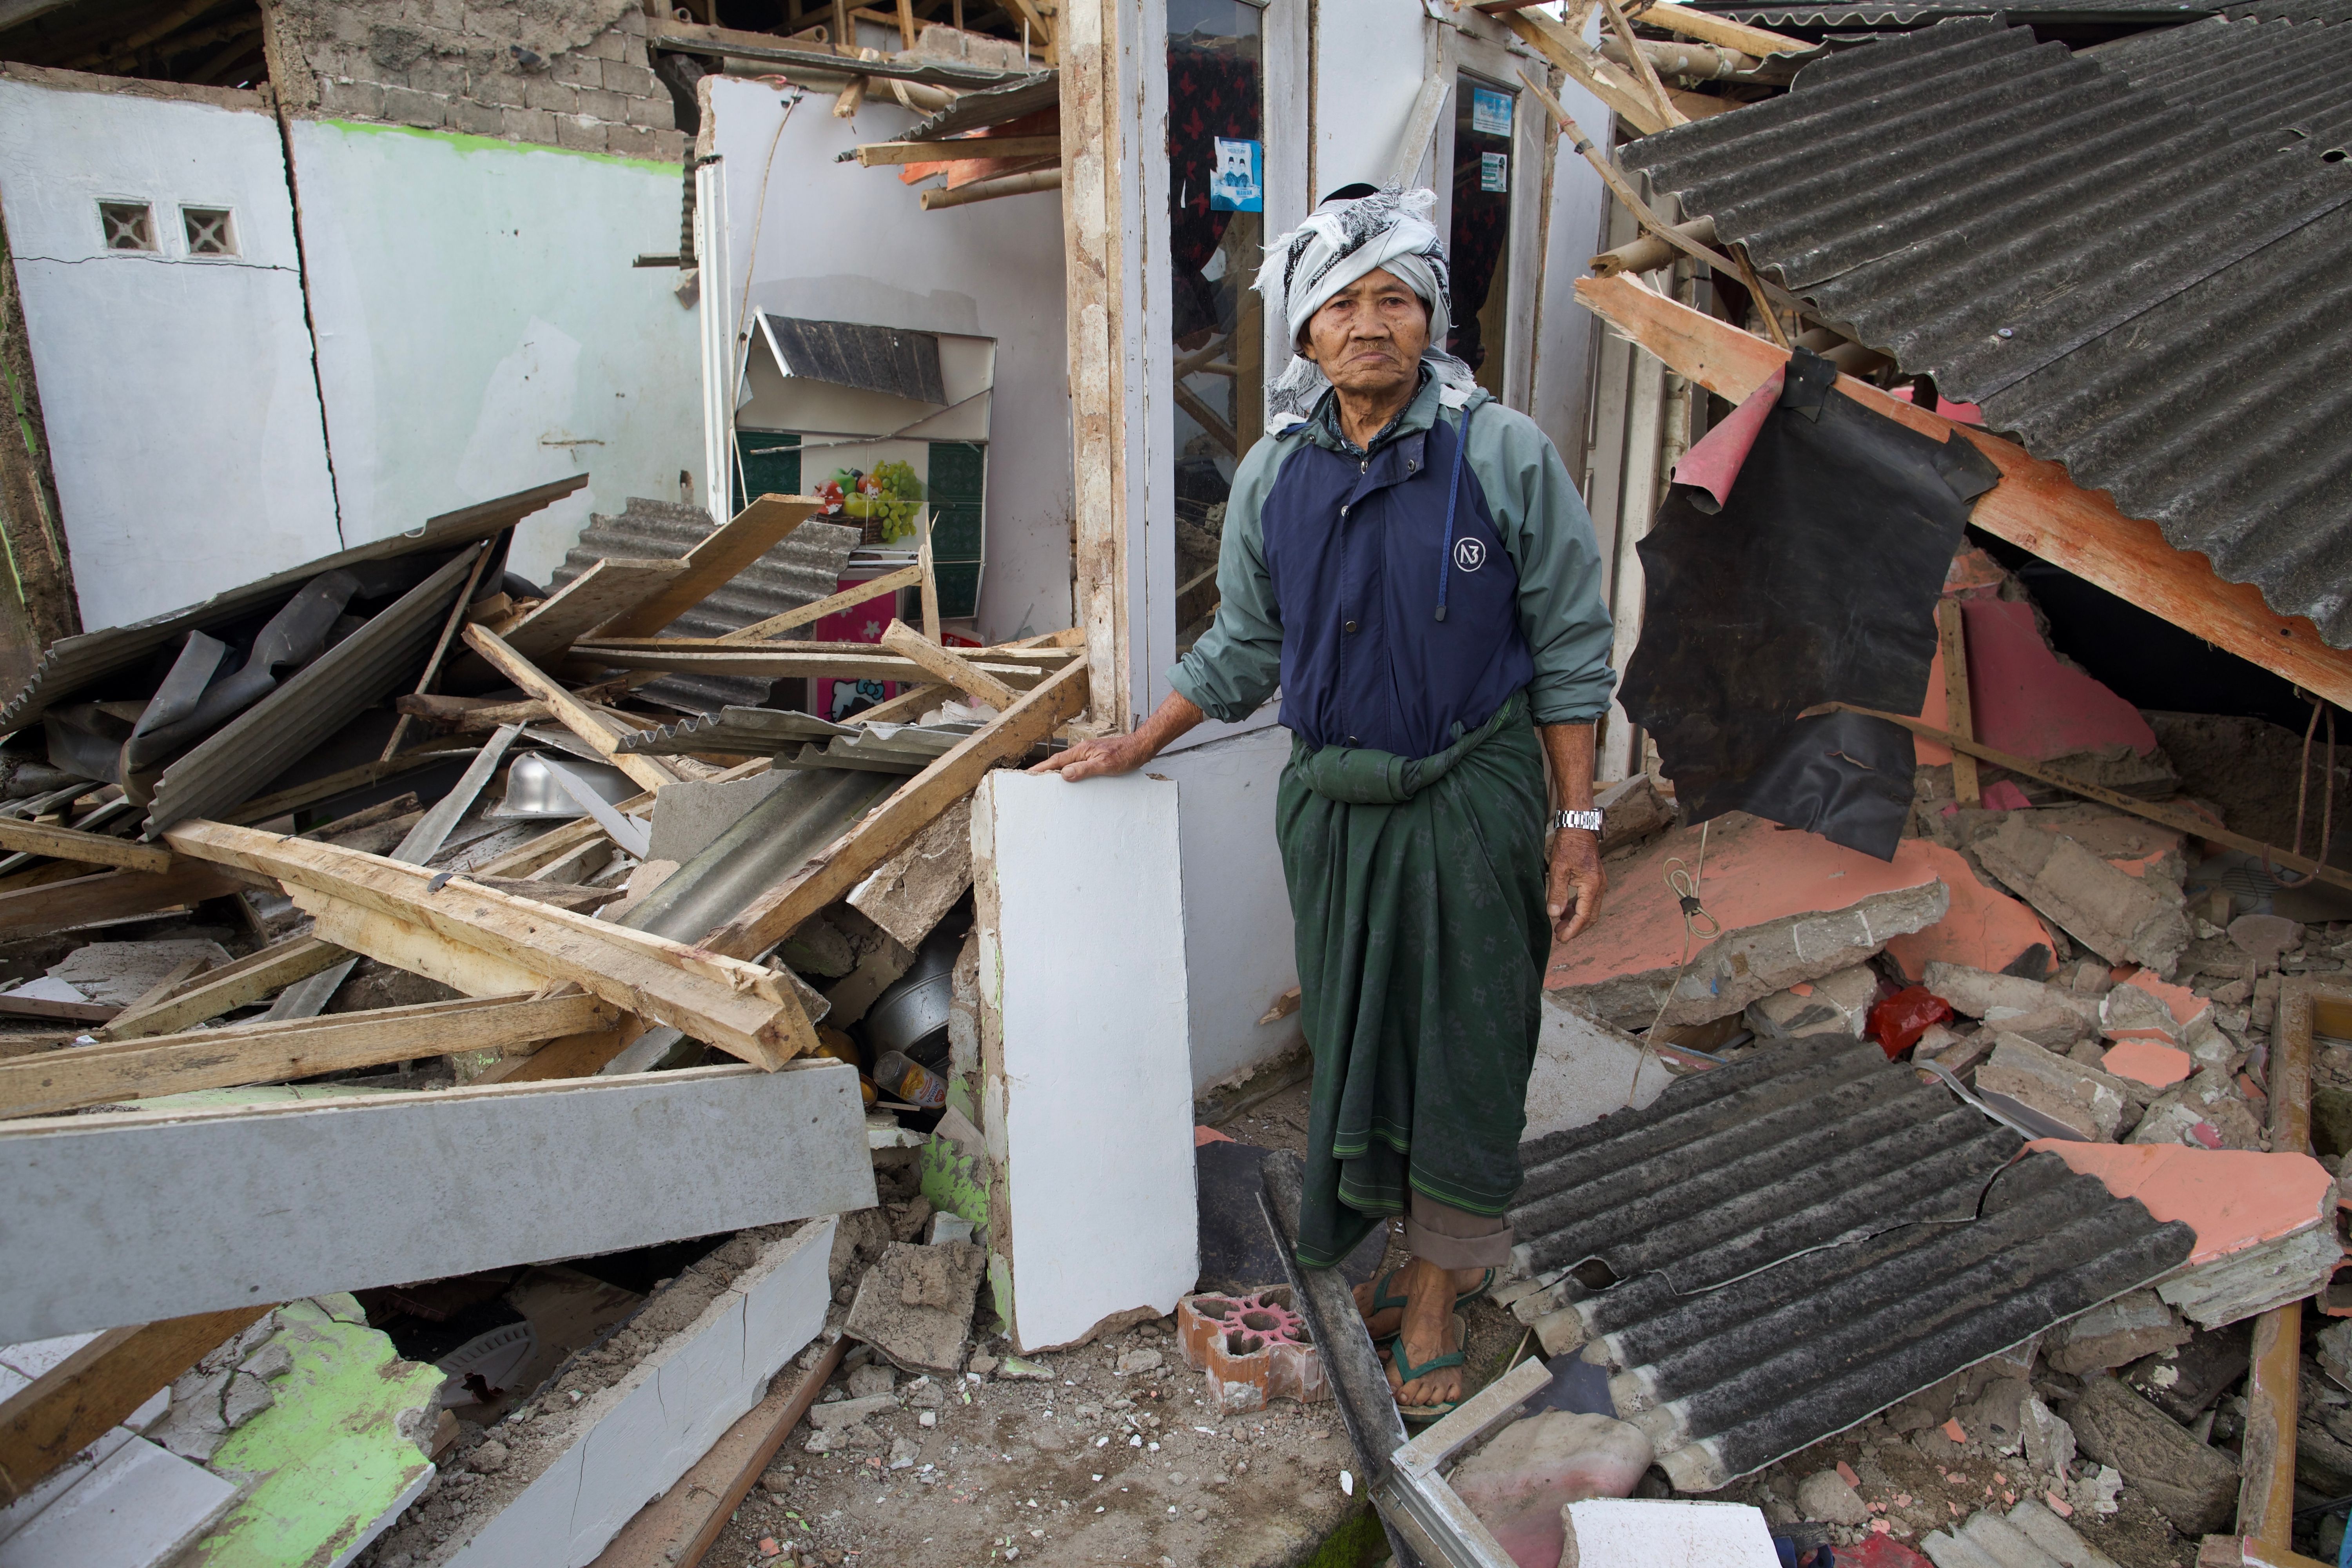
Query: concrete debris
pixel 1835 1004
pixel 908 893
pixel 1826 1495
pixel 117 973
pixel 2122 917
pixel 2116 1333
pixel 914 1305
pixel 2048 1015
pixel 2194 1486
pixel 2082 1098
pixel 2029 1536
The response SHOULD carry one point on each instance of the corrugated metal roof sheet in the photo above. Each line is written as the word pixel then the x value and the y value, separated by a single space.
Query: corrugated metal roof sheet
pixel 72 664
pixel 1774 1250
pixel 800 569
pixel 310 705
pixel 734 732
pixel 2133 262
pixel 989 106
pixel 893 360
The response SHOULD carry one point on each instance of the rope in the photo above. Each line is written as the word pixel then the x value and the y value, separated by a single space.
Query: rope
pixel 1682 880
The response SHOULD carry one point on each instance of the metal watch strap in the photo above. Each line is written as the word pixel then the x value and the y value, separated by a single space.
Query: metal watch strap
pixel 1587 820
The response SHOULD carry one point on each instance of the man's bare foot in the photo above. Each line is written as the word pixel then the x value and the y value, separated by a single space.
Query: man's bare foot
pixel 1427 1323
pixel 1384 1323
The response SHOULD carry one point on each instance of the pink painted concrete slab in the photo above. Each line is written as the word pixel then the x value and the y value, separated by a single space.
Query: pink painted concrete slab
pixel 2025 701
pixel 2236 1198
pixel 2183 1004
pixel 2150 1062
pixel 1984 928
pixel 1756 871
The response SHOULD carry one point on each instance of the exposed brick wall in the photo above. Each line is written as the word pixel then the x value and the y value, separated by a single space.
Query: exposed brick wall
pixel 559 73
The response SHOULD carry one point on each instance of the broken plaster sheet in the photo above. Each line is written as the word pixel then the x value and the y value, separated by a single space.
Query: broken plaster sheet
pixel 336 1456
pixel 1585 1070
pixel 1088 1081
pixel 138 1218
pixel 140 1507
pixel 634 1439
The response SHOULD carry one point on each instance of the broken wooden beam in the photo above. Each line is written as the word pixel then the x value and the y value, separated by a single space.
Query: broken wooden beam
pixel 472 714
pixel 942 663
pixel 713 563
pixel 612 587
pixel 15 1006
pixel 2179 820
pixel 112 895
pixel 237 985
pixel 84 848
pixel 2036 506
pixel 840 661
pixel 72 1404
pixel 832 603
pixel 890 826
pixel 736 1006
pixel 418 949
pixel 573 714
pixel 295 1048
pixel 874 153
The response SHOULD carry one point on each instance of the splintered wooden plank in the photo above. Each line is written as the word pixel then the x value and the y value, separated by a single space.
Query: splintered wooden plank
pixel 2037 505
pixel 575 715
pixel 137 1214
pixel 874 154
pixel 73 1404
pixel 612 586
pixel 87 849
pixel 890 826
pixel 418 949
pixel 234 985
pixel 943 664
pixel 298 1047
pixel 847 599
pixel 713 563
pixel 735 1005
pixel 111 894
pixel 841 661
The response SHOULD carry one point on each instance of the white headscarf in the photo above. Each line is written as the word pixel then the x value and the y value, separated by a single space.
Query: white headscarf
pixel 1345 239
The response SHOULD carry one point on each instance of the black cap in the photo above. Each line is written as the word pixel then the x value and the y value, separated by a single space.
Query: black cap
pixel 1354 192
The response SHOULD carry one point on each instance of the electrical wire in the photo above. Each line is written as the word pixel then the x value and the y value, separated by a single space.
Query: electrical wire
pixel 1682 880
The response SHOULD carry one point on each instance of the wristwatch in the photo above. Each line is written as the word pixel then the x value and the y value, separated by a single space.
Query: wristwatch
pixel 1587 820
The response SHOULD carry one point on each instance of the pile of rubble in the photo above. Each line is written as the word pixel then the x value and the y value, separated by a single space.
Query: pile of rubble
pixel 398 852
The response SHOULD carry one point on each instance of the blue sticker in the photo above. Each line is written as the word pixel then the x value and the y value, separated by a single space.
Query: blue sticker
pixel 1494 170
pixel 1490 112
pixel 1237 182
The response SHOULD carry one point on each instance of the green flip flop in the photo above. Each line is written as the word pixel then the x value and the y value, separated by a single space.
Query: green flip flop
pixel 1408 1372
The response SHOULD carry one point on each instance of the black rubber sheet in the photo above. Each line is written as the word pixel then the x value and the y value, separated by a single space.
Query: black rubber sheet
pixel 1815 581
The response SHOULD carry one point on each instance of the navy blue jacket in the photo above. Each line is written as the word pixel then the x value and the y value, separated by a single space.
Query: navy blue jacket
pixel 1334 561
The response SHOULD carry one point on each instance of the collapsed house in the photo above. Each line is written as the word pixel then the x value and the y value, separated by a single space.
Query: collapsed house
pixel 584 742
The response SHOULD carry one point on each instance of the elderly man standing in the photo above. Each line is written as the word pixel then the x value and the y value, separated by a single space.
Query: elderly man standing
pixel 1412 565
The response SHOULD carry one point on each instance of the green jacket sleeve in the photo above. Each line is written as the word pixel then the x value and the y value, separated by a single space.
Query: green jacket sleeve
pixel 1549 535
pixel 1237 663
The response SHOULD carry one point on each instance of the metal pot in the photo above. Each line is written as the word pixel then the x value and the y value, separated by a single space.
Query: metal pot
pixel 532 792
pixel 911 1015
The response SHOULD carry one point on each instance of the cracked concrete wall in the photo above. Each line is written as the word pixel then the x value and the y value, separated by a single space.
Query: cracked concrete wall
pixel 557 73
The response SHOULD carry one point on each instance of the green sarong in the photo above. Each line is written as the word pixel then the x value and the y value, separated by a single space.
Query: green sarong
pixel 1417 890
